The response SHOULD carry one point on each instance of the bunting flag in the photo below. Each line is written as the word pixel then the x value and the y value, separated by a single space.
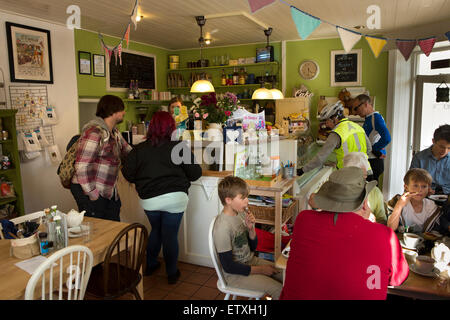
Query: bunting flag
pixel 448 35
pixel 119 50
pixel 106 54
pixel 427 45
pixel 134 14
pixel 405 47
pixel 304 22
pixel 109 54
pixel 348 38
pixel 258 4
pixel 127 34
pixel 115 56
pixel 376 44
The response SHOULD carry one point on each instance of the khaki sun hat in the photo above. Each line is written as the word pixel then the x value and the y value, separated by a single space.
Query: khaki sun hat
pixel 345 191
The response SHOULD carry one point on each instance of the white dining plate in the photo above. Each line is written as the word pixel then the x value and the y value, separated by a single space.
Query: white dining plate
pixel 74 232
pixel 438 197
pixel 285 252
pixel 432 274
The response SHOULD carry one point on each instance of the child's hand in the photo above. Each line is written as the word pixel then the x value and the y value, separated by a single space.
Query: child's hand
pixel 250 220
pixel 404 199
pixel 268 270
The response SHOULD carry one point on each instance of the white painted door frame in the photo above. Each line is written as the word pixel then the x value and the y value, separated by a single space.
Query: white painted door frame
pixel 417 123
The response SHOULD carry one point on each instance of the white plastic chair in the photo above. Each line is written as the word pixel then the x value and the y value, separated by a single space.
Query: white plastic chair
pixel 78 272
pixel 221 283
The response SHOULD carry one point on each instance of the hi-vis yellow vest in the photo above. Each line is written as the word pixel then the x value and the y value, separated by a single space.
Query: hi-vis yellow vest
pixel 352 140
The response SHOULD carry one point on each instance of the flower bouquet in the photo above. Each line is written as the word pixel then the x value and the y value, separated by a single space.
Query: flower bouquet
pixel 215 109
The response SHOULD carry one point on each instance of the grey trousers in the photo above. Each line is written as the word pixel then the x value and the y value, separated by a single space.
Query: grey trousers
pixel 271 285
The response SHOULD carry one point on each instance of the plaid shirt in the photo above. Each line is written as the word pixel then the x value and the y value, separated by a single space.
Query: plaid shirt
pixel 98 161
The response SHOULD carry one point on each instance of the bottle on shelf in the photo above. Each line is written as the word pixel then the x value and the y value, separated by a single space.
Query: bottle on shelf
pixel 136 90
pixel 230 80
pixel 235 77
pixel 131 90
pixel 223 81
pixel 241 76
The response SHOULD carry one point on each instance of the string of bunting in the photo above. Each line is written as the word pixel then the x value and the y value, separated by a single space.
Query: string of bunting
pixel 117 49
pixel 307 23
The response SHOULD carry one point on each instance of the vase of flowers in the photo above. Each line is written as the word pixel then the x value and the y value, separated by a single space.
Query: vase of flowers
pixel 216 110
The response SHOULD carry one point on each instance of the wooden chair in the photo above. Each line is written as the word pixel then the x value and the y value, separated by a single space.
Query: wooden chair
pixel 221 282
pixel 74 265
pixel 119 272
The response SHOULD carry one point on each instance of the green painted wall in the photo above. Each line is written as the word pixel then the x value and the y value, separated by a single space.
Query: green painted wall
pixel 374 71
pixel 90 86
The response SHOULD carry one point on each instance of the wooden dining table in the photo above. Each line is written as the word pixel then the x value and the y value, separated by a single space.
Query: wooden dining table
pixel 13 280
pixel 415 286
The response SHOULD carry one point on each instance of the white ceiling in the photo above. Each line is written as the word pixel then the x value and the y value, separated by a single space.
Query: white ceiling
pixel 171 24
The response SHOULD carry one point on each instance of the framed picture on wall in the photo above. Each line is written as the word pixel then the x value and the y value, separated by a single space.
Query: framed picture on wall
pixel 30 54
pixel 84 62
pixel 99 65
pixel 346 68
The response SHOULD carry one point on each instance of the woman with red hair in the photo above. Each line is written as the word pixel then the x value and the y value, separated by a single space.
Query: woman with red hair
pixel 162 177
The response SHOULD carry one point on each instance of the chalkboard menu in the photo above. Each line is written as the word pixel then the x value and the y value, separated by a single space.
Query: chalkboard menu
pixel 345 68
pixel 134 67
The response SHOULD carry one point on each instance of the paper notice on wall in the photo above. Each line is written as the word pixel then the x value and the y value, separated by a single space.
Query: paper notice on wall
pixel 250 120
pixel 54 154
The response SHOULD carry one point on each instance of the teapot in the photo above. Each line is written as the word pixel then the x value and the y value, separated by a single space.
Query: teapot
pixel 441 253
pixel 74 218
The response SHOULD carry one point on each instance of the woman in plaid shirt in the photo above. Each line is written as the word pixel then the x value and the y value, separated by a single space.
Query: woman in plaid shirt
pixel 100 150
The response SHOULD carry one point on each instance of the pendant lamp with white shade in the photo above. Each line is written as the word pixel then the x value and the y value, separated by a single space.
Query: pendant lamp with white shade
pixel 202 85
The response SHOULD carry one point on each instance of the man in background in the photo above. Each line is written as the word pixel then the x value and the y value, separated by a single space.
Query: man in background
pixel 436 160
pixel 99 152
pixel 376 130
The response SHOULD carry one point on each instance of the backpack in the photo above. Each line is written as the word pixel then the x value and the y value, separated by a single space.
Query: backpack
pixel 66 168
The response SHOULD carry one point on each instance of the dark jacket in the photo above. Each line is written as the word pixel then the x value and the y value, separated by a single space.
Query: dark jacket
pixel 154 173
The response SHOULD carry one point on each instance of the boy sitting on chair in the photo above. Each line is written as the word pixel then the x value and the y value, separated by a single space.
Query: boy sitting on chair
pixel 235 241
pixel 412 210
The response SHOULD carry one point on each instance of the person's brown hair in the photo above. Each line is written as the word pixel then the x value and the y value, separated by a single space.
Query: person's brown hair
pixel 230 187
pixel 108 105
pixel 418 175
pixel 363 98
pixel 442 133
pixel 175 99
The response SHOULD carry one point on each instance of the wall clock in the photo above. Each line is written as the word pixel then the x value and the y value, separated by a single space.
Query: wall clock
pixel 309 69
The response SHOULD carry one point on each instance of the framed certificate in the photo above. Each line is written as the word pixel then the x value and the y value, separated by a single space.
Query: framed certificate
pixel 99 65
pixel 84 65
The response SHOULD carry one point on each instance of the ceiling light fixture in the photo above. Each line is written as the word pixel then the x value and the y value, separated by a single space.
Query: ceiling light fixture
pixel 202 85
pixel 139 18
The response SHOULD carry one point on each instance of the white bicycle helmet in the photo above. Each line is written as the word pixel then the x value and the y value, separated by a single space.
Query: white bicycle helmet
pixel 330 111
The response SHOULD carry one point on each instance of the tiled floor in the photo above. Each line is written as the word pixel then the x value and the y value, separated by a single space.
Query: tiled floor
pixel 195 283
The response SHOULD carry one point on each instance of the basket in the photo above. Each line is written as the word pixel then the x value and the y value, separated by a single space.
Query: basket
pixel 25 248
pixel 268 213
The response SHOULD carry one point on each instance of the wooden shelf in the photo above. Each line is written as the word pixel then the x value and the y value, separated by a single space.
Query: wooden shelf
pixel 4 201
pixel 226 67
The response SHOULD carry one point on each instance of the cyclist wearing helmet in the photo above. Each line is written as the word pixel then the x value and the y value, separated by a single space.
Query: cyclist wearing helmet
pixel 346 136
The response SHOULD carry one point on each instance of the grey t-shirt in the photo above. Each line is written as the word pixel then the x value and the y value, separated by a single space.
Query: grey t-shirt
pixel 230 233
